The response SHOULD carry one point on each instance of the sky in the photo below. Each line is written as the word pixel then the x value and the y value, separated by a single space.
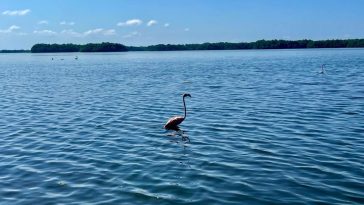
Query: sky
pixel 24 23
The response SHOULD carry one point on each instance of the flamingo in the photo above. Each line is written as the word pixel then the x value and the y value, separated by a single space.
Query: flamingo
pixel 173 122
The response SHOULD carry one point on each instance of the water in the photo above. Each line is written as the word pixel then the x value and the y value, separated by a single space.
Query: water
pixel 264 128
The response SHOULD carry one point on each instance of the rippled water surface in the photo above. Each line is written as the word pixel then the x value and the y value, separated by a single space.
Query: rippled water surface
pixel 264 128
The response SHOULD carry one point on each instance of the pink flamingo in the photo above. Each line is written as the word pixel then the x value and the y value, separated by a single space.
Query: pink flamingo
pixel 173 122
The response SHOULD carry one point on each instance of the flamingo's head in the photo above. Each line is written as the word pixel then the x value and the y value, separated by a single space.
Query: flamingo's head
pixel 186 95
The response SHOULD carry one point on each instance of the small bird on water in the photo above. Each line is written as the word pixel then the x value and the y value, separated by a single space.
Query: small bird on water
pixel 173 122
pixel 323 71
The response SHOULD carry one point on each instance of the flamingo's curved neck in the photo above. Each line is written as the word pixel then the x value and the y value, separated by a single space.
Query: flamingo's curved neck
pixel 184 106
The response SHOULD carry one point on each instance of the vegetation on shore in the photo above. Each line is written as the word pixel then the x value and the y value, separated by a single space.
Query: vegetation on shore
pixel 90 47
pixel 14 51
pixel 261 44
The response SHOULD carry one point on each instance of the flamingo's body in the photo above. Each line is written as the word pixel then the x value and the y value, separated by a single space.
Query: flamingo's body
pixel 173 122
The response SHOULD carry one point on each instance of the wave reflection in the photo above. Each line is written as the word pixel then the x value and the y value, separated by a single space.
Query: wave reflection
pixel 177 132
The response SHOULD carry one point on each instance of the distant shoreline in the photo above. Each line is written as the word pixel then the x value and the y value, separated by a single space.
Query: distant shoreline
pixel 257 45
pixel 28 51
pixel 15 51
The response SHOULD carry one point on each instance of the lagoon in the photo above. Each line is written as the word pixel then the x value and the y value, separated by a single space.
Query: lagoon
pixel 264 127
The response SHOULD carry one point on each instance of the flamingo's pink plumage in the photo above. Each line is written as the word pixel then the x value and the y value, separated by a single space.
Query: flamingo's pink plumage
pixel 175 121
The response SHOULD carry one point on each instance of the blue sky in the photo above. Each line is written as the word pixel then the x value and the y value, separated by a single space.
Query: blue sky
pixel 145 22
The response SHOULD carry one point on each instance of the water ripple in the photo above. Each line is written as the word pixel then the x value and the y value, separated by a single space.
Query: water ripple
pixel 263 128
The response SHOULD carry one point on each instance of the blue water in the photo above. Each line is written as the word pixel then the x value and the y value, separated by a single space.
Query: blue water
pixel 264 128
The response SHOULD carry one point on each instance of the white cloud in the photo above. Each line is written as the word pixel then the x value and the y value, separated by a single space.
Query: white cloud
pixel 42 22
pixel 45 32
pixel 131 22
pixel 107 32
pixel 71 33
pixel 16 12
pixel 10 29
pixel 71 23
pixel 132 34
pixel 166 25
pixel 13 27
pixel 187 29
pixel 93 31
pixel 152 22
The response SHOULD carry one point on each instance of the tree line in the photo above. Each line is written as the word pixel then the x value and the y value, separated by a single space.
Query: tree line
pixel 260 44
pixel 15 51
pixel 90 47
